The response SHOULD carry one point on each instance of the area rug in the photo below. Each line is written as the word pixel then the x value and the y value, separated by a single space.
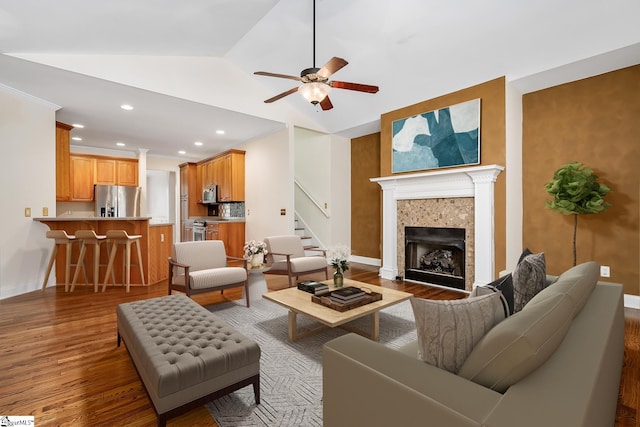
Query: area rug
pixel 291 373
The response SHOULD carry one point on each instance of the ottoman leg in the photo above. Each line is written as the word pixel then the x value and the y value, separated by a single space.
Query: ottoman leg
pixel 256 389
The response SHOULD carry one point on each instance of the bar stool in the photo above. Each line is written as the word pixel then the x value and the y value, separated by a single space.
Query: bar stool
pixel 121 238
pixel 90 238
pixel 62 238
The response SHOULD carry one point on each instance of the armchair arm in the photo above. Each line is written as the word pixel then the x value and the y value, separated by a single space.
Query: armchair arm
pixel 234 258
pixel 174 263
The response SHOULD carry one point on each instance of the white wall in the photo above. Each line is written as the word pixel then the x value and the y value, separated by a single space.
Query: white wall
pixel 27 174
pixel 513 169
pixel 323 169
pixel 269 185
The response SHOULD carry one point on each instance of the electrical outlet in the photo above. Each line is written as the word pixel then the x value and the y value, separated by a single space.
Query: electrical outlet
pixel 45 211
pixel 605 271
pixel 27 212
pixel 326 205
pixel 283 211
pixel 161 237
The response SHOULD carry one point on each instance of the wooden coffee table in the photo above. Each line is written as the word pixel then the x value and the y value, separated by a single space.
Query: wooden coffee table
pixel 299 302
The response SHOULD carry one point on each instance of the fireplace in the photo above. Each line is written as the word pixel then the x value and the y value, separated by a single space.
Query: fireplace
pixel 435 255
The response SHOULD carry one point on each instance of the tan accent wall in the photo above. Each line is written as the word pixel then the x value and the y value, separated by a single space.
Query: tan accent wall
pixel 492 143
pixel 595 121
pixel 366 196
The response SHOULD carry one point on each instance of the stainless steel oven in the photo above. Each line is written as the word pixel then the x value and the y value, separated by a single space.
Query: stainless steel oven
pixel 199 230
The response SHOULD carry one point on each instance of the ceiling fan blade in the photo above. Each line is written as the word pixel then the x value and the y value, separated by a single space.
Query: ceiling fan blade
pixel 331 67
pixel 282 76
pixel 282 95
pixel 354 86
pixel 326 103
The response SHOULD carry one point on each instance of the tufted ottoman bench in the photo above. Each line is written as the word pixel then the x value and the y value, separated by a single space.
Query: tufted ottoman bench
pixel 184 354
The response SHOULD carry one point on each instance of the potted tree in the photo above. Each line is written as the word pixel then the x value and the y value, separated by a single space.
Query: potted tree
pixel 575 191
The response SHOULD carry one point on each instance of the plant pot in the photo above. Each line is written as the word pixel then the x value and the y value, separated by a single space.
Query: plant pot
pixel 256 260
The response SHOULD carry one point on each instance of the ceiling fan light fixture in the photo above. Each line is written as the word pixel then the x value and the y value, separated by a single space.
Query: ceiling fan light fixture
pixel 314 92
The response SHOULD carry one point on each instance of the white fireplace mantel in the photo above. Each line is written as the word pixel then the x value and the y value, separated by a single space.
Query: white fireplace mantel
pixel 477 182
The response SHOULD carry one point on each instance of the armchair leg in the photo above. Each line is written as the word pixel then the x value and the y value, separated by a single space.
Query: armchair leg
pixel 246 293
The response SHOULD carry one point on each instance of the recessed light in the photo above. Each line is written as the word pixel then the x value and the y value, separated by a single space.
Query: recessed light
pixel 78 125
pixel 76 138
pixel 182 152
pixel 220 132
pixel 120 144
pixel 126 107
pixel 198 143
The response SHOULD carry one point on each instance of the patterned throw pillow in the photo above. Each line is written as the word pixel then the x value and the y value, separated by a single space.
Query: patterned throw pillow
pixel 529 278
pixel 448 330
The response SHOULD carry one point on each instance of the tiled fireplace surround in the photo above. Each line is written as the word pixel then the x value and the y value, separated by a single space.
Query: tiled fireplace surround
pixel 461 197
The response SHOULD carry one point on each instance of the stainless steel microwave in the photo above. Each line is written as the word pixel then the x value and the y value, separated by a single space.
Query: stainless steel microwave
pixel 210 194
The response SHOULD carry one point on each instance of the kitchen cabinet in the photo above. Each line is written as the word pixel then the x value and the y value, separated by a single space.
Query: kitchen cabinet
pixel 63 162
pixel 116 172
pixel 233 236
pixel 160 244
pixel 229 176
pixel 81 178
pixel 212 232
pixel 105 171
pixel 127 172
pixel 190 195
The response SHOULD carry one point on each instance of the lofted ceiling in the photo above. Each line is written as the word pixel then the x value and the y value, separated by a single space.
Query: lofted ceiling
pixel 187 67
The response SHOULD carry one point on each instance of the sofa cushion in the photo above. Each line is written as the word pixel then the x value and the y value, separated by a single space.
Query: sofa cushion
pixel 529 278
pixel 503 285
pixel 519 344
pixel 577 283
pixel 448 330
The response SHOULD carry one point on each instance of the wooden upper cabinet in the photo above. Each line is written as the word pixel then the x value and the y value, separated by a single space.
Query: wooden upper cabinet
pixel 228 175
pixel 82 178
pixel 105 172
pixel 63 163
pixel 127 172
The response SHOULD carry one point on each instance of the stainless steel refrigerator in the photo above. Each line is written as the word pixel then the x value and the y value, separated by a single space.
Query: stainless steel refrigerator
pixel 117 201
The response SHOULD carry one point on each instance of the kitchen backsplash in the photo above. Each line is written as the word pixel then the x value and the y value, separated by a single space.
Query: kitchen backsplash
pixel 231 210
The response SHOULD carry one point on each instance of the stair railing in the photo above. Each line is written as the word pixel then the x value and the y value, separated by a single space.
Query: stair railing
pixel 312 199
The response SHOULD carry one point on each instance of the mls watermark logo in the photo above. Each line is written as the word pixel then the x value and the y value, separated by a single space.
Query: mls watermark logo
pixel 16 420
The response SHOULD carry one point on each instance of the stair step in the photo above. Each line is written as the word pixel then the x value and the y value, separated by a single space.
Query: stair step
pixel 299 228
pixel 305 237
pixel 308 247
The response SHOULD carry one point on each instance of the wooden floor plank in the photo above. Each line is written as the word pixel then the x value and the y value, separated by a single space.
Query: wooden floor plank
pixel 59 360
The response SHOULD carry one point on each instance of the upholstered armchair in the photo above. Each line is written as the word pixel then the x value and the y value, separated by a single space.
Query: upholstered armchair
pixel 198 267
pixel 286 256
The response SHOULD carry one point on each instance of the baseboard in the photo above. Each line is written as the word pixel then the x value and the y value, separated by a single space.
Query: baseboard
pixel 364 260
pixel 632 301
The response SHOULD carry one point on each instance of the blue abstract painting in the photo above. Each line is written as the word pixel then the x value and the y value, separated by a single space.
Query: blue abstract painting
pixel 441 138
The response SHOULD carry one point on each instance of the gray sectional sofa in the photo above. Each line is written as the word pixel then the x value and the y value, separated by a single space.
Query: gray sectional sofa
pixel 515 375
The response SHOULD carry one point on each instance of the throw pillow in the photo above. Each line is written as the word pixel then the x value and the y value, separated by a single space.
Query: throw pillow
pixel 448 330
pixel 524 253
pixel 529 278
pixel 504 285
pixel 520 344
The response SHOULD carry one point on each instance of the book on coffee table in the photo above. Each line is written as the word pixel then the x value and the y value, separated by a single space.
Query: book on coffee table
pixel 348 293
pixel 312 287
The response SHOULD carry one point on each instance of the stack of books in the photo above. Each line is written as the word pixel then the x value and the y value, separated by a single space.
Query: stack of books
pixel 348 295
pixel 313 287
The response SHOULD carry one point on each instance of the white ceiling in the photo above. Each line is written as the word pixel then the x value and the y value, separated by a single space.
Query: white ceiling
pixel 187 67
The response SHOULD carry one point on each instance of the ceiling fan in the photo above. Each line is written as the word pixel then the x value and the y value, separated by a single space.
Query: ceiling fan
pixel 316 85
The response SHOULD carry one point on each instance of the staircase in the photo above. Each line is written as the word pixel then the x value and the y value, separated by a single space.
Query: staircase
pixel 308 242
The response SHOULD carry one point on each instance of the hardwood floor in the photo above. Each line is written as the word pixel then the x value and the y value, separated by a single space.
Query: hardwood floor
pixel 59 360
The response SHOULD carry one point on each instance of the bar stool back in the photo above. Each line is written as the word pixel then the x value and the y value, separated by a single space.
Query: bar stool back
pixel 121 238
pixel 90 238
pixel 61 237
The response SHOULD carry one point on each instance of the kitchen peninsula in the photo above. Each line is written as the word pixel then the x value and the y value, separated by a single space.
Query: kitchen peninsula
pixel 155 245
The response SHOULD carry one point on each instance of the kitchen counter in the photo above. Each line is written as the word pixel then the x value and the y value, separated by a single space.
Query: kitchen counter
pixel 215 219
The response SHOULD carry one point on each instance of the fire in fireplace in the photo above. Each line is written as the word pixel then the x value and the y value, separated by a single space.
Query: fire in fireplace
pixel 435 255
